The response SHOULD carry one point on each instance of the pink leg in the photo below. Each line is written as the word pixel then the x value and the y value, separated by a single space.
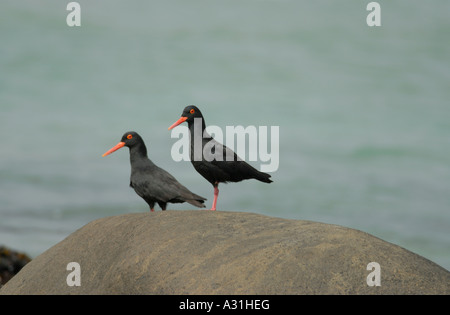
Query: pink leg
pixel 216 194
pixel 152 210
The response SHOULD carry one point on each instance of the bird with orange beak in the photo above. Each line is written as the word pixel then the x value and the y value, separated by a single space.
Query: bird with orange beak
pixel 151 182
pixel 217 164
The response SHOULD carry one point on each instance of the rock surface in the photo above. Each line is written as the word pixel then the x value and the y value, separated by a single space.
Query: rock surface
pixel 206 252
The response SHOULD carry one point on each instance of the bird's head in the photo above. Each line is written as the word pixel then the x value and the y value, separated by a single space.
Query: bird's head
pixel 129 139
pixel 189 113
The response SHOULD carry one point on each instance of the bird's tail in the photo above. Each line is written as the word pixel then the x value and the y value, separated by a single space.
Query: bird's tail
pixel 263 177
pixel 197 202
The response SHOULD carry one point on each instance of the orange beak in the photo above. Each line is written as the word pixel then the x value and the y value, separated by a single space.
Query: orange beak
pixel 179 121
pixel 115 148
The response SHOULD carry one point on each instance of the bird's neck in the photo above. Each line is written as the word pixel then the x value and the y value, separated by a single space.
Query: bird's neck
pixel 138 153
pixel 198 137
pixel 197 129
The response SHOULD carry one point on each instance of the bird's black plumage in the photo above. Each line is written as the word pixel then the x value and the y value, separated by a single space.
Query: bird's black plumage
pixel 213 160
pixel 151 182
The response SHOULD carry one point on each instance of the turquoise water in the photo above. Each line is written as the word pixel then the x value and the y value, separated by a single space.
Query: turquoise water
pixel 364 113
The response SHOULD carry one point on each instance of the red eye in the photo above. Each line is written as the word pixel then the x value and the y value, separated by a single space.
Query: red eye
pixel 192 111
pixel 130 137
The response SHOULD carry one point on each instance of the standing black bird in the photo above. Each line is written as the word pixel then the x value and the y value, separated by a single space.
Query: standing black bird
pixel 151 182
pixel 214 161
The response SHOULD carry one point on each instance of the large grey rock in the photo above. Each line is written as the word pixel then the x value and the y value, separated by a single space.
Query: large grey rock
pixel 206 252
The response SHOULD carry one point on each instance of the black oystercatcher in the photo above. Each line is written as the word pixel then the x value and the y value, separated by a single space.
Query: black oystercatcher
pixel 214 161
pixel 151 182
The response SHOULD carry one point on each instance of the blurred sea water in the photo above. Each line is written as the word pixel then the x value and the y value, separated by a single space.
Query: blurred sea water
pixel 363 112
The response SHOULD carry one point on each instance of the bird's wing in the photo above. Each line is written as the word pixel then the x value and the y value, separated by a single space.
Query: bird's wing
pixel 162 186
pixel 214 151
pixel 226 164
